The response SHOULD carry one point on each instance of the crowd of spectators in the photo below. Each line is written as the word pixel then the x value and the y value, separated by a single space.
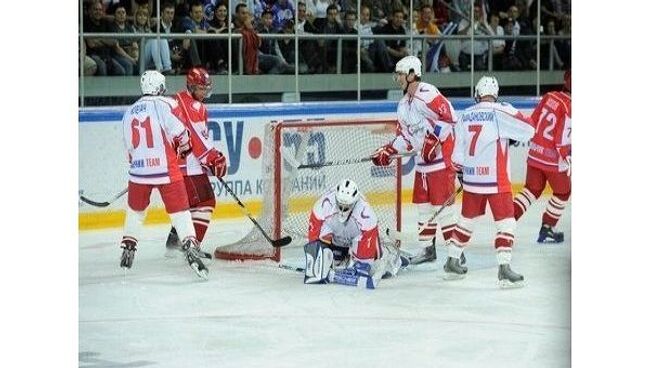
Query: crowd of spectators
pixel 263 55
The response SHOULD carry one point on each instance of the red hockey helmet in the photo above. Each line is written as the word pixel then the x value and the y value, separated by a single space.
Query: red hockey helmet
pixel 198 76
pixel 567 80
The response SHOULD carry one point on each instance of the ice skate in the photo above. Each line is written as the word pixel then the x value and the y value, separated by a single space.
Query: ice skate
pixel 547 235
pixel 428 254
pixel 191 248
pixel 128 253
pixel 509 278
pixel 453 269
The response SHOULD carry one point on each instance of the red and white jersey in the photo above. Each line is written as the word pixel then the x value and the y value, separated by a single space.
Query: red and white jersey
pixel 482 147
pixel 359 232
pixel 195 117
pixel 551 143
pixel 150 126
pixel 426 111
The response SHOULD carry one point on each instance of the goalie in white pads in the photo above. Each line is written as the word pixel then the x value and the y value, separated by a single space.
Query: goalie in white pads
pixel 483 132
pixel 344 246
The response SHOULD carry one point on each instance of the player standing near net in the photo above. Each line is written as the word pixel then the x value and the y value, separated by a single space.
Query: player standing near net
pixel 426 120
pixel 155 139
pixel 483 132
pixel 549 160
pixel 344 245
pixel 203 159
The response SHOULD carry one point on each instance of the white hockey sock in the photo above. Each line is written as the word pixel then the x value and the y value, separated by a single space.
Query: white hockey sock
pixel 182 221
pixel 524 199
pixel 504 255
pixel 133 223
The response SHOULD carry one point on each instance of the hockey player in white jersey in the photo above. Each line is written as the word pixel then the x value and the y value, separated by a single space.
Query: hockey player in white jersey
pixel 344 245
pixel 154 139
pixel 426 120
pixel 483 132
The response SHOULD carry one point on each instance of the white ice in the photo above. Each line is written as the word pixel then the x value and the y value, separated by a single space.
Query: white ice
pixel 254 314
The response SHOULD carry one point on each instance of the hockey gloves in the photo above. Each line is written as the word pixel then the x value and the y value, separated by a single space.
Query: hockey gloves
pixel 429 146
pixel 215 162
pixel 382 156
pixel 182 144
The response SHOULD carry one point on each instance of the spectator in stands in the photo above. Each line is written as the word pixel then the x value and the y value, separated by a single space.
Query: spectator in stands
pixel 516 54
pixel 349 57
pixel 288 50
pixel 309 50
pixel 396 48
pixel 427 25
pixel 250 40
pixel 89 66
pixel 269 57
pixel 98 49
pixel 177 53
pixel 499 44
pixel 368 45
pixel 319 9
pixel 154 52
pixel 125 51
pixel 282 10
pixel 330 46
pixel 219 48
pixel 440 13
pixel 199 50
pixel 564 46
pixel 414 48
pixel 479 49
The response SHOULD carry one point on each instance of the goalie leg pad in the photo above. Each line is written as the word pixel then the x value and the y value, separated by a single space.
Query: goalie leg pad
pixel 318 263
pixel 358 275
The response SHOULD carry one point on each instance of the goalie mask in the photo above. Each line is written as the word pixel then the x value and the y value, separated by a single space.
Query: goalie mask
pixel 347 195
pixel 152 83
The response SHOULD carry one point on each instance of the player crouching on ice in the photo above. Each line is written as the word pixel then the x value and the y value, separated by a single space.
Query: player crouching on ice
pixel 344 245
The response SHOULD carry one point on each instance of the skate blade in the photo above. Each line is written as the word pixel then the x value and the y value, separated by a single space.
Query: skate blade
pixel 450 276
pixel 507 284
pixel 203 274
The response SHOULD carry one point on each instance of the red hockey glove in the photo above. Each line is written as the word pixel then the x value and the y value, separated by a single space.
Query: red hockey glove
pixel 429 146
pixel 183 144
pixel 381 157
pixel 215 162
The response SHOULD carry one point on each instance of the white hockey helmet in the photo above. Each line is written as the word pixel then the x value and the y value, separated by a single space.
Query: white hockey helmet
pixel 486 86
pixel 347 194
pixel 152 83
pixel 408 64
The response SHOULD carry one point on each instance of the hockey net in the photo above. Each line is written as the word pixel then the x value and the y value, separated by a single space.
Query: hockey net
pixel 291 191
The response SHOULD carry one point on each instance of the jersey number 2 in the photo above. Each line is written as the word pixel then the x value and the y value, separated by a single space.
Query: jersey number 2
pixel 547 122
pixel 136 125
pixel 476 129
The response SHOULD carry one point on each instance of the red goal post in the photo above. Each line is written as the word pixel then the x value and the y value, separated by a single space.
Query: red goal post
pixel 290 191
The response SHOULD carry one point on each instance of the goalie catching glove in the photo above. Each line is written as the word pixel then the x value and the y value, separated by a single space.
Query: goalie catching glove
pixel 382 156
pixel 182 144
pixel 215 163
pixel 429 146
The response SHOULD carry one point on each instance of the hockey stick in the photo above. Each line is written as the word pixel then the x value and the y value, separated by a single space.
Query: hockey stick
pixel 398 235
pixel 291 268
pixel 276 243
pixel 288 157
pixel 104 204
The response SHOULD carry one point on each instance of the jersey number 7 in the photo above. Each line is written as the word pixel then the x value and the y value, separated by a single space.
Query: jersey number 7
pixel 476 129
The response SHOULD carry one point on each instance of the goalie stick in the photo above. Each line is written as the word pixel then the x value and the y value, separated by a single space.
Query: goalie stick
pixel 276 243
pixel 290 159
pixel 104 204
pixel 398 235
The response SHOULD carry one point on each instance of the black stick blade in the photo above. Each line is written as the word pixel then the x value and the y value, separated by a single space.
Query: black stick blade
pixel 281 242
pixel 93 203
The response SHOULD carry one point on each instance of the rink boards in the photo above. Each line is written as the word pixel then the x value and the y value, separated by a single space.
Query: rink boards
pixel 238 131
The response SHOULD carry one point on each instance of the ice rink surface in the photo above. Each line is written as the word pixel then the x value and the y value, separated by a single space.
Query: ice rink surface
pixel 253 314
